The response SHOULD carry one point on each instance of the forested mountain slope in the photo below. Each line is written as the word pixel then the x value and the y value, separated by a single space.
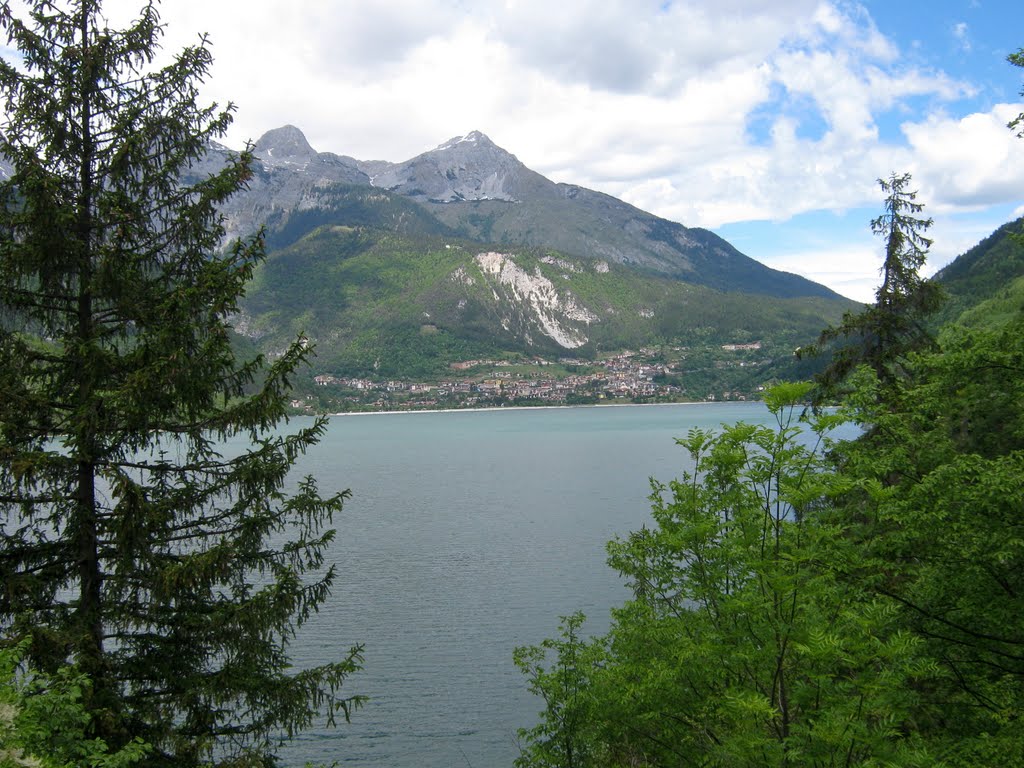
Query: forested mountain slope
pixel 985 285
pixel 374 300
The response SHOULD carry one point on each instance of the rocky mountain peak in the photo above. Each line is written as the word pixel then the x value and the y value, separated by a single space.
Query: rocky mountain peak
pixel 286 144
pixel 464 168
pixel 473 138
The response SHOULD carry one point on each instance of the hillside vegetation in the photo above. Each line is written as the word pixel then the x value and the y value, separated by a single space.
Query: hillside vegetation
pixel 984 285
pixel 397 271
pixel 398 305
pixel 803 600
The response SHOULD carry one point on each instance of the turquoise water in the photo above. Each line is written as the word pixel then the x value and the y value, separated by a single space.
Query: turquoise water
pixel 469 533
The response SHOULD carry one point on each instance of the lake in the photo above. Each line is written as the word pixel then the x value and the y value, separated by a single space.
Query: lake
pixel 469 533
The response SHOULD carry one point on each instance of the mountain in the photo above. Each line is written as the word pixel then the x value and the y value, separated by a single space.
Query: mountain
pixel 476 190
pixel 986 284
pixel 465 168
pixel 401 270
pixel 286 174
pixel 378 302
pixel 471 188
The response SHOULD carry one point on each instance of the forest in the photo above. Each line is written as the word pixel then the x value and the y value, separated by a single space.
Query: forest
pixel 805 601
pixel 797 600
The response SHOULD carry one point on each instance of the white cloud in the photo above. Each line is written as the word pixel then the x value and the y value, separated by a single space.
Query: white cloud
pixel 706 113
pixel 851 270
pixel 970 161
pixel 855 30
pixel 962 37
pixel 643 99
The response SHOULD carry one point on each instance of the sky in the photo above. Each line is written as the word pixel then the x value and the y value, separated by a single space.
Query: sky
pixel 766 121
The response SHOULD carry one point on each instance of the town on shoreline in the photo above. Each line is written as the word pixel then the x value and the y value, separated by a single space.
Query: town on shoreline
pixel 731 372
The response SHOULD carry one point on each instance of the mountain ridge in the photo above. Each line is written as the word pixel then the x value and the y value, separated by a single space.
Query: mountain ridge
pixel 985 284
pixel 480 191
pixel 477 190
pixel 374 301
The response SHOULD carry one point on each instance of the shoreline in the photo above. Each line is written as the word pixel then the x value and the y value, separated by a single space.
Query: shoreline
pixel 534 408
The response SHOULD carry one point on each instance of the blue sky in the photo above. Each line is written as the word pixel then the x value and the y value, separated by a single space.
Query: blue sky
pixel 966 40
pixel 767 121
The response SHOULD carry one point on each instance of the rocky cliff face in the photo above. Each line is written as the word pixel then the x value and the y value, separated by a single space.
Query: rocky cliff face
pixel 470 188
pixel 465 168
pixel 285 146
pixel 529 303
pixel 287 172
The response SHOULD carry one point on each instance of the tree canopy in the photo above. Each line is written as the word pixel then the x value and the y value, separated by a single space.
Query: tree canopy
pixel 802 600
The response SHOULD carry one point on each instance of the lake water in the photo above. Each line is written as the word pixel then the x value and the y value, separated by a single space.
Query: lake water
pixel 469 533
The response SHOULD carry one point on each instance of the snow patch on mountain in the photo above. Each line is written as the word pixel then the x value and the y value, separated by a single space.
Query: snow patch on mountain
pixel 470 138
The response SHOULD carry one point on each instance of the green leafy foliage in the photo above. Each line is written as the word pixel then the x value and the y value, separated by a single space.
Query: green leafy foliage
pixel 1017 59
pixel 744 645
pixel 938 524
pixel 44 723
pixel 560 739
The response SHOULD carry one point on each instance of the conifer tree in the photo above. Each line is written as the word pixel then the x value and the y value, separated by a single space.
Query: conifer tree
pixel 884 333
pixel 171 571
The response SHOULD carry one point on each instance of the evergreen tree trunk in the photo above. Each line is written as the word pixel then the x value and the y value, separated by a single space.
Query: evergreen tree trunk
pixel 90 631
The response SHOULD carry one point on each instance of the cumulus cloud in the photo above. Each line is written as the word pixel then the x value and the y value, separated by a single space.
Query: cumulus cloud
pixel 968 162
pixel 654 101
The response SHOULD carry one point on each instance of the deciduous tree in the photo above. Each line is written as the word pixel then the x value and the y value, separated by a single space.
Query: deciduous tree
pixel 937 526
pixel 743 645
